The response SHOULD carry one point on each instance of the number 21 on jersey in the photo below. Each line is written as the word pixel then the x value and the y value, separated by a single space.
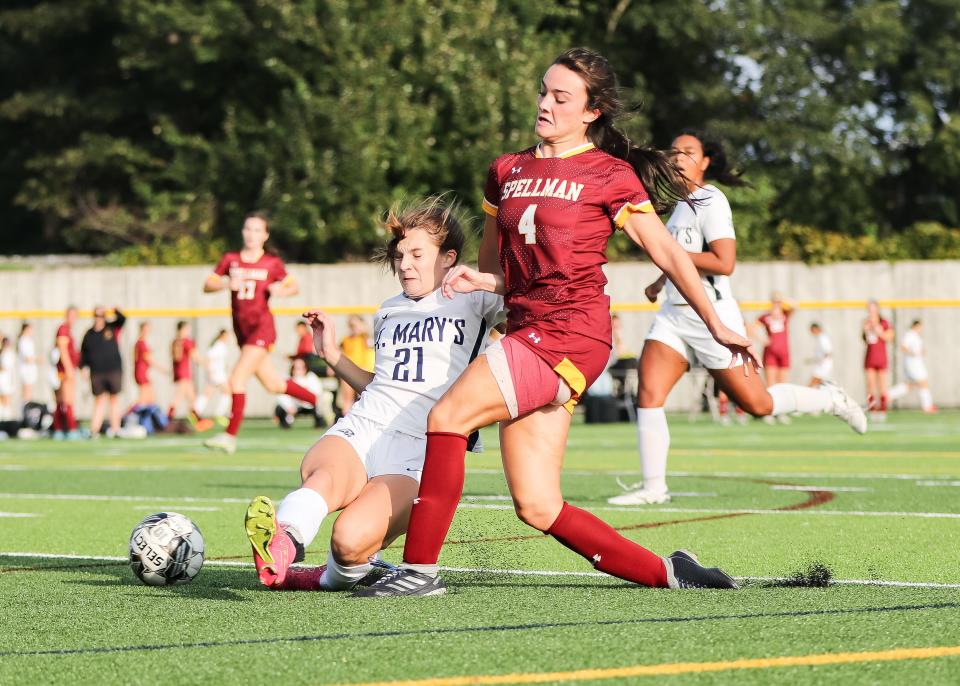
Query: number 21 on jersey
pixel 527 226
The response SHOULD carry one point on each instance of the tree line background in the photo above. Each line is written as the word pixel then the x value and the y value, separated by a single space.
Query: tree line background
pixel 145 129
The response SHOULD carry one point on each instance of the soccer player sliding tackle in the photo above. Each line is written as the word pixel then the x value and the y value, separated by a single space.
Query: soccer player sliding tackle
pixel 369 463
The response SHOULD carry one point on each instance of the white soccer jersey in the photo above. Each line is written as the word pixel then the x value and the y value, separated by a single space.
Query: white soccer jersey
pixel 421 347
pixel 823 348
pixel 27 354
pixel 217 363
pixel 694 229
pixel 912 344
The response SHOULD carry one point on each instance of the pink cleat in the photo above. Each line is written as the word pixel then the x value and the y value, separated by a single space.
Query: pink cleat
pixel 301 579
pixel 273 548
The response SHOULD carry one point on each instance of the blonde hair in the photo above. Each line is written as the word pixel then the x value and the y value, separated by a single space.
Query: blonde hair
pixel 440 218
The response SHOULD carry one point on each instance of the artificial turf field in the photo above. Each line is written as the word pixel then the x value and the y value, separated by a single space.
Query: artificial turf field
pixel 881 511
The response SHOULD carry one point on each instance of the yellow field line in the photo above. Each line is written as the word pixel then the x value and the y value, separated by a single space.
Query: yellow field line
pixel 743 452
pixel 671 668
pixel 190 312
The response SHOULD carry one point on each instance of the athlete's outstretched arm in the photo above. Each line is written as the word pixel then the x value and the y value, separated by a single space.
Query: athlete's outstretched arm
pixel 285 288
pixel 215 283
pixel 647 231
pixel 488 276
pixel 325 343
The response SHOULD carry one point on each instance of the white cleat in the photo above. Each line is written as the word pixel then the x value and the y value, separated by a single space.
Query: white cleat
pixel 224 442
pixel 641 497
pixel 846 408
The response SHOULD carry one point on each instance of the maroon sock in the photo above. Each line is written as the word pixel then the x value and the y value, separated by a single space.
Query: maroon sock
pixel 71 420
pixel 295 390
pixel 58 419
pixel 436 503
pixel 236 414
pixel 170 411
pixel 883 402
pixel 871 403
pixel 722 406
pixel 609 552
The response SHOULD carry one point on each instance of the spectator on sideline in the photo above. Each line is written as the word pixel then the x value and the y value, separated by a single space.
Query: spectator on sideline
pixel 142 363
pixel 218 378
pixel 100 353
pixel 8 362
pixel 822 356
pixel 914 369
pixel 876 334
pixel 183 352
pixel 67 361
pixel 27 362
pixel 357 348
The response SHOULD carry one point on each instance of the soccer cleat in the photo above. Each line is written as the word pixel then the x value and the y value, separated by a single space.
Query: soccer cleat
pixel 846 408
pixel 685 571
pixel 403 582
pixel 641 497
pixel 301 579
pixel 225 442
pixel 203 425
pixel 274 550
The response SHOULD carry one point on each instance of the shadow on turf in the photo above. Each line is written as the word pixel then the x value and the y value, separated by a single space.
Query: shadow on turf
pixel 213 583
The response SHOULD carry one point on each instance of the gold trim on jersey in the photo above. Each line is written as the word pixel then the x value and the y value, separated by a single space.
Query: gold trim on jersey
pixel 489 208
pixel 569 153
pixel 630 208
pixel 575 379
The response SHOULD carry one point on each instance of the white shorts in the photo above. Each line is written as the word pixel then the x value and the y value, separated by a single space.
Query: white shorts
pixel 679 327
pixel 381 450
pixel 823 370
pixel 6 383
pixel 217 377
pixel 915 369
pixel 28 373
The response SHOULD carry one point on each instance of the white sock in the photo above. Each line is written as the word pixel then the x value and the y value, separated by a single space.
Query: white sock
pixel 338 577
pixel 898 391
pixel 926 398
pixel 653 440
pixel 200 404
pixel 223 406
pixel 303 510
pixel 788 397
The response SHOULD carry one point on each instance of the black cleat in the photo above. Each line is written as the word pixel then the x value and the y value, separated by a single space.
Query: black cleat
pixel 685 571
pixel 403 582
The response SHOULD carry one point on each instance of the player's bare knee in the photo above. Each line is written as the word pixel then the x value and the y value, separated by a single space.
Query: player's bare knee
pixel 442 416
pixel 650 397
pixel 538 514
pixel 352 546
pixel 761 406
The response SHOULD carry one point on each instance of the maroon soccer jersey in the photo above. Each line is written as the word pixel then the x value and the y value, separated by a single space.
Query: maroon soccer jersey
pixel 140 365
pixel 554 218
pixel 252 319
pixel 181 349
pixel 777 351
pixel 64 332
pixel 876 357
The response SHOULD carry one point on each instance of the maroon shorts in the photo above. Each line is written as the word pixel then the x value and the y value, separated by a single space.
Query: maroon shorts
pixel 877 362
pixel 776 357
pixel 262 336
pixel 141 377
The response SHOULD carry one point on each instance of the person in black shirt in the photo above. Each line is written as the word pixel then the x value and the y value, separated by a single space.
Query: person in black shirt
pixel 100 352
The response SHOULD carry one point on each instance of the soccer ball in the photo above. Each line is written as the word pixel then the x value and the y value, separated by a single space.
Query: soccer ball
pixel 166 548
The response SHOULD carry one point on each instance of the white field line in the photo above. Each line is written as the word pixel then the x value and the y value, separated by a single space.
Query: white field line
pixel 850 489
pixel 504 572
pixel 293 469
pixel 119 498
pixel 697 510
pixel 179 508
pixel 938 483
pixel 18 515
pixel 490 506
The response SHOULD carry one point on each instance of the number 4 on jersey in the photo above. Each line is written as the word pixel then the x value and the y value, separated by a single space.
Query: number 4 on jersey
pixel 528 228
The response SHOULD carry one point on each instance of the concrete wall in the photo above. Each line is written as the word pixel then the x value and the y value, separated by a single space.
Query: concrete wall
pixel 165 294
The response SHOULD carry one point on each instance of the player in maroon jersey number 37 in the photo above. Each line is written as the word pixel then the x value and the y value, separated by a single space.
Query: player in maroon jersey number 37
pixel 252 275
pixel 551 209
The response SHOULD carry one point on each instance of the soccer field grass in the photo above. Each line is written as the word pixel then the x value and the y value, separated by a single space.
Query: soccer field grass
pixel 881 511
